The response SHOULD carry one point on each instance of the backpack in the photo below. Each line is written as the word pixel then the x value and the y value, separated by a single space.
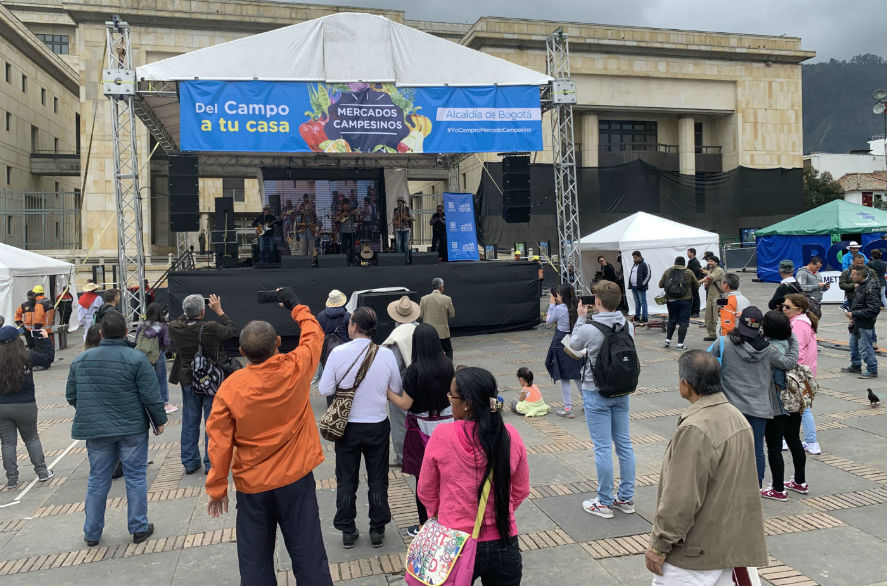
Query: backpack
pixel 206 377
pixel 616 368
pixel 676 284
pixel 800 388
pixel 150 347
pixel 815 306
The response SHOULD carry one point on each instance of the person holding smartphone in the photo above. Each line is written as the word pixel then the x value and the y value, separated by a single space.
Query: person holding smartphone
pixel 562 307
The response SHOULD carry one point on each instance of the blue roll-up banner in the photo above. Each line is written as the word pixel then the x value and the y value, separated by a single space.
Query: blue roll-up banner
pixel 461 227
pixel 301 117
pixel 799 249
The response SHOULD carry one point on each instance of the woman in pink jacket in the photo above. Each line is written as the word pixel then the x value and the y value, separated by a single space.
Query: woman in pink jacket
pixel 459 457
pixel 804 325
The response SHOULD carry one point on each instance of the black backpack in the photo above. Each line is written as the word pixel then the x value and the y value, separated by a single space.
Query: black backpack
pixel 616 368
pixel 676 284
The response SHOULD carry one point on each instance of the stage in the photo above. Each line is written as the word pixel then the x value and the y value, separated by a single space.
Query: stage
pixel 489 296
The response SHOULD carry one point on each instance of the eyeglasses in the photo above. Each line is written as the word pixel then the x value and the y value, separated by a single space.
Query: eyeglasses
pixel 788 307
pixel 453 397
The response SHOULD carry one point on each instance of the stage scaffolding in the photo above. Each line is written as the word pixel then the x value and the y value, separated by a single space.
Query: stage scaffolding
pixel 40 220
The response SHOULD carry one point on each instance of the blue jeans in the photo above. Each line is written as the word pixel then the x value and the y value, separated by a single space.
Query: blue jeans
pixel 607 420
pixel 809 426
pixel 862 349
pixel 266 247
pixel 194 409
pixel 160 371
pixel 883 296
pixel 103 453
pixel 758 425
pixel 402 243
pixel 640 303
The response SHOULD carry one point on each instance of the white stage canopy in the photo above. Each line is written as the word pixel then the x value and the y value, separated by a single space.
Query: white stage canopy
pixel 659 241
pixel 21 270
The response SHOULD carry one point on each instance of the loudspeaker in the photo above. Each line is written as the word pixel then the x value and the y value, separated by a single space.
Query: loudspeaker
pixel 332 260
pixel 184 198
pixel 516 188
pixel 390 259
pixel 225 262
pixel 425 258
pixel 296 262
pixel 515 215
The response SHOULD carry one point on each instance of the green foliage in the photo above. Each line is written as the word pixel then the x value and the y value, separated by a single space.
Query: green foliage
pixel 837 97
pixel 819 189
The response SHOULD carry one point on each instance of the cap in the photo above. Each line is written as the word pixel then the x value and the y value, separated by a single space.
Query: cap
pixel 336 299
pixel 8 334
pixel 38 289
pixel 404 310
pixel 786 265
pixel 401 198
pixel 750 321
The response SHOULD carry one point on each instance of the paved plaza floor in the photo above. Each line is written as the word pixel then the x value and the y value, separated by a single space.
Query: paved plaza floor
pixel 833 536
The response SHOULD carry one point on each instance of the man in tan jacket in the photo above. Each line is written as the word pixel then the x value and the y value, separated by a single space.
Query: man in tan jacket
pixel 714 277
pixel 708 516
pixel 437 309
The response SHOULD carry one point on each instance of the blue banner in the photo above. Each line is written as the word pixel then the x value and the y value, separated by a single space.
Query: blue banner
pixel 461 229
pixel 301 117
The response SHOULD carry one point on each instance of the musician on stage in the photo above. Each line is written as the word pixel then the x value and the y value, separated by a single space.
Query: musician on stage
pixel 264 225
pixel 307 225
pixel 347 222
pixel 439 233
pixel 402 221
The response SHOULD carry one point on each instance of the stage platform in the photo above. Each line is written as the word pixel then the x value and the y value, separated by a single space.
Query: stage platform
pixel 489 296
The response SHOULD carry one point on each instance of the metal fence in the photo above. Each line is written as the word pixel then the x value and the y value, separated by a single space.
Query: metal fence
pixel 41 220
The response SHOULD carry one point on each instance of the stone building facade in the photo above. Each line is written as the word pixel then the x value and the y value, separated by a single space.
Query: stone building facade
pixel 692 102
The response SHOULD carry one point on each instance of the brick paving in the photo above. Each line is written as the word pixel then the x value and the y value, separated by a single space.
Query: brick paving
pixel 41 536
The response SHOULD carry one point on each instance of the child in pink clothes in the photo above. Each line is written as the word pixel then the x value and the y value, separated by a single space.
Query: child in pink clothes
pixel 457 461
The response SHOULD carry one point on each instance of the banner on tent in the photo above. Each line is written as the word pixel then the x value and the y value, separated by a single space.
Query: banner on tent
pixel 461 228
pixel 301 117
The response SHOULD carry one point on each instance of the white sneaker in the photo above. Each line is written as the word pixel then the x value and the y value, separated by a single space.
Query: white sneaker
pixel 170 408
pixel 595 507
pixel 681 346
pixel 812 448
pixel 624 506
pixel 784 446
pixel 667 343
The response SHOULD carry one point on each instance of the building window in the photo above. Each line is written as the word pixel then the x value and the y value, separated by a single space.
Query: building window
pixel 43 96
pixel 9 224
pixel 58 44
pixel 697 137
pixel 8 121
pixel 35 138
pixel 55 105
pixel 8 175
pixel 627 135
pixel 24 83
pixel 55 147
pixel 233 187
pixel 8 73
pixel 57 187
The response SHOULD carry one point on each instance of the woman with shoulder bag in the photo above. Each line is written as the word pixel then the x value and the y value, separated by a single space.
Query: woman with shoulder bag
pixel 425 385
pixel 370 371
pixel 804 326
pixel 458 460
pixel 155 327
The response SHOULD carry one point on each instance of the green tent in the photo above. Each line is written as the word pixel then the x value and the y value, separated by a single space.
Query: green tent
pixel 835 217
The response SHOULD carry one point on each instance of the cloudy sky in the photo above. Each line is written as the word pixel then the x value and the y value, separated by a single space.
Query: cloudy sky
pixel 836 29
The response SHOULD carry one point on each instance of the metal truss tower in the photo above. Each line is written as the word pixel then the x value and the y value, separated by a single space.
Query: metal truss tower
pixel 560 100
pixel 119 86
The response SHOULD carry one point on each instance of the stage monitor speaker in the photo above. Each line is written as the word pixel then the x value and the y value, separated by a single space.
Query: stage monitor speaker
pixel 516 181
pixel 332 260
pixel 296 262
pixel 425 258
pixel 184 193
pixel 225 262
pixel 389 259
pixel 516 215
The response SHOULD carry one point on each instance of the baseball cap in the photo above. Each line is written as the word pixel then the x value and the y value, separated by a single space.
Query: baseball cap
pixel 750 321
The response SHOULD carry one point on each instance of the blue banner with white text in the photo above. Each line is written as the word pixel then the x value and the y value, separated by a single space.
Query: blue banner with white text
pixel 302 117
pixel 461 228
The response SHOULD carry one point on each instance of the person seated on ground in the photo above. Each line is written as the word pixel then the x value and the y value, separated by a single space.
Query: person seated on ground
pixel 262 429
pixel 530 402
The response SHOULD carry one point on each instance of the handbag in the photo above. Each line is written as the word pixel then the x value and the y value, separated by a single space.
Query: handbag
pixel 439 555
pixel 570 352
pixel 332 424
pixel 206 377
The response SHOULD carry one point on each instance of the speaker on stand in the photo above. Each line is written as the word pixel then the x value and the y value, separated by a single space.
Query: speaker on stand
pixel 516 189
pixel 184 193
pixel 224 236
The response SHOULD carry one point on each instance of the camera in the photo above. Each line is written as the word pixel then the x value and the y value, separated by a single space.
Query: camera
pixel 267 296
pixel 722 302
pixel 587 299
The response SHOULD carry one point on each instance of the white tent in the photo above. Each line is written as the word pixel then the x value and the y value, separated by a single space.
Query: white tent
pixel 659 241
pixel 21 270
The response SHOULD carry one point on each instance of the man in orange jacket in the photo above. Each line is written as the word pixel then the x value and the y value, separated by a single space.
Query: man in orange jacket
pixel 264 411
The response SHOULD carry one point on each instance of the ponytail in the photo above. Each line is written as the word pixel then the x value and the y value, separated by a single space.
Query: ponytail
pixel 814 321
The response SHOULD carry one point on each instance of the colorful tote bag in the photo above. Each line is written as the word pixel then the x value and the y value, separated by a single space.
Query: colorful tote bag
pixel 441 556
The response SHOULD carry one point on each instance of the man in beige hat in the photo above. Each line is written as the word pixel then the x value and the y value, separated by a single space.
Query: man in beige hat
pixel 88 302
pixel 405 312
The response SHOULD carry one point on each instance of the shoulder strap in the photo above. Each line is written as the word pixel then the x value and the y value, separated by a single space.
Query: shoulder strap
pixel 482 505
pixel 365 366
pixel 356 358
pixel 200 341
pixel 605 330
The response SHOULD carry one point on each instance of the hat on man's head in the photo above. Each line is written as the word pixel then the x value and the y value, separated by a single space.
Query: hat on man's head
pixel 853 244
pixel 89 287
pixel 750 321
pixel 38 289
pixel 786 265
pixel 404 310
pixel 8 334
pixel 400 198
pixel 336 299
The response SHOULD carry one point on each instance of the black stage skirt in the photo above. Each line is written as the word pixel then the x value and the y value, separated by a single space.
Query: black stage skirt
pixel 559 365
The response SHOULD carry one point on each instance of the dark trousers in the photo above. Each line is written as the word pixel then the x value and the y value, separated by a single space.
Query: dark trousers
pixel 694 306
pixel 788 427
pixel 678 316
pixel 371 441
pixel 348 246
pixel 294 508
pixel 498 562
pixel 447 347
pixel 420 507
pixel 439 244
pixel 266 247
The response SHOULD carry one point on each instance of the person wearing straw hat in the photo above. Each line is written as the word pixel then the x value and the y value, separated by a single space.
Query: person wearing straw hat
pixel 334 321
pixel 847 258
pixel 405 312
pixel 88 302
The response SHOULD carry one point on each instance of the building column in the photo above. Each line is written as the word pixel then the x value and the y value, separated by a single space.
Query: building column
pixel 590 139
pixel 686 146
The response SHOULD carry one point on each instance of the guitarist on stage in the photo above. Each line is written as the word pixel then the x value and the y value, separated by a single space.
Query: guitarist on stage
pixel 346 221
pixel 306 225
pixel 402 221
pixel 264 225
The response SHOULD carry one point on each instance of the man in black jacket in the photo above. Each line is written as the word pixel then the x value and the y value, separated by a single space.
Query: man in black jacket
pixel 787 286
pixel 638 280
pixel 862 315
pixel 608 271
pixel 185 335
pixel 696 269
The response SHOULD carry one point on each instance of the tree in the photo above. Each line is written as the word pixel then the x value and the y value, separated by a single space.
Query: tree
pixel 819 189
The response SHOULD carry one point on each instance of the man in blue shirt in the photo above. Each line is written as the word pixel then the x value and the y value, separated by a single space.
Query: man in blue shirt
pixel 847 259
